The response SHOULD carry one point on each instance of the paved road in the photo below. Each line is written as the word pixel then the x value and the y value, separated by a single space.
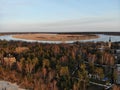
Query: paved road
pixel 98 84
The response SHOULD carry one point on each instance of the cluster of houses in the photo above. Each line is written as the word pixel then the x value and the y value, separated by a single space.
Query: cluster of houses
pixel 116 67
pixel 94 76
pixel 109 69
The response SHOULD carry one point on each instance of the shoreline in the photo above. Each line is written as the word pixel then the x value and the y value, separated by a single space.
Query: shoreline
pixel 55 37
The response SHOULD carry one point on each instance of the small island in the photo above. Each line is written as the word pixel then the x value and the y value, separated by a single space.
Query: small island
pixel 56 37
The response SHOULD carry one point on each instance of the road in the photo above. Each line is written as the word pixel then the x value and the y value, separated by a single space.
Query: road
pixel 94 83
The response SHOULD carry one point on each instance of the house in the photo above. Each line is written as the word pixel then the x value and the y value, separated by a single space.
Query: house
pixel 117 68
pixel 117 51
pixel 9 60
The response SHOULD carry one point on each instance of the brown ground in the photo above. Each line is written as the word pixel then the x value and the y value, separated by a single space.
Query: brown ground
pixel 55 37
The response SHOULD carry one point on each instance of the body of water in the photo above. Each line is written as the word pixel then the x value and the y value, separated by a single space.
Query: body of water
pixel 104 38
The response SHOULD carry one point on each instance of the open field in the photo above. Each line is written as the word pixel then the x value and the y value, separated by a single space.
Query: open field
pixel 55 37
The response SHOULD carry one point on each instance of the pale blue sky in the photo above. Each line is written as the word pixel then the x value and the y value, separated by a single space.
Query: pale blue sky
pixel 59 15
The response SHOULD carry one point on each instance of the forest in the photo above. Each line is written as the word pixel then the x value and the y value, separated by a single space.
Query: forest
pixel 43 66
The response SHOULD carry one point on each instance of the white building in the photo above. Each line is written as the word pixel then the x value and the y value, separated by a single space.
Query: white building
pixel 118 73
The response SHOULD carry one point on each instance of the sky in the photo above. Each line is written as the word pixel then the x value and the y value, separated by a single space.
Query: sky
pixel 59 15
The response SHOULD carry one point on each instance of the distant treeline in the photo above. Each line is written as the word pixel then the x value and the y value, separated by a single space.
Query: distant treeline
pixel 106 33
